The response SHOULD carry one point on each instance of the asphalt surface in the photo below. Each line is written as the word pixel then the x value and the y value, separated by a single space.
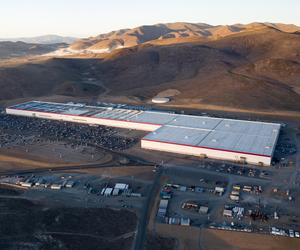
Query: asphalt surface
pixel 145 215
pixel 68 168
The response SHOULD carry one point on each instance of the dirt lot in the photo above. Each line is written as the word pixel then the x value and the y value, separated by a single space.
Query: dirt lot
pixel 195 238
pixel 217 239
pixel 136 172
pixel 156 242
pixel 32 225
pixel 53 153
pixel 59 152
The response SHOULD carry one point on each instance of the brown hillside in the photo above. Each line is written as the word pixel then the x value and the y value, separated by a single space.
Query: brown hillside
pixel 253 68
pixel 236 71
pixel 261 44
pixel 162 32
pixel 42 78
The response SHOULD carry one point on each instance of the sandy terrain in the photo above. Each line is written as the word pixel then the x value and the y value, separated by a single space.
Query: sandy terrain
pixel 49 155
pixel 195 238
pixel 275 113
pixel 138 172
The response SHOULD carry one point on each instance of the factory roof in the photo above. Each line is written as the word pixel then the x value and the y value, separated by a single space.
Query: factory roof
pixel 244 137
pixel 250 137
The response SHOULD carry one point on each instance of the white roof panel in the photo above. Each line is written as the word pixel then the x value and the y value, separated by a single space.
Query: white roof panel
pixel 195 121
pixel 153 117
pixel 178 135
pixel 248 127
pixel 239 142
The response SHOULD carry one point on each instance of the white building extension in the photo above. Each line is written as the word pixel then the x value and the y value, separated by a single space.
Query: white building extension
pixel 218 138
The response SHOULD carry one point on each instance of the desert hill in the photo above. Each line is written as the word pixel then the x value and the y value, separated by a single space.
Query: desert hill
pixel 160 32
pixel 254 68
pixel 18 49
pixel 43 77
pixel 45 39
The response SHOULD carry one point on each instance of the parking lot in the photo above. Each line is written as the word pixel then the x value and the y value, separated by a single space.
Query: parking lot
pixel 236 169
pixel 16 130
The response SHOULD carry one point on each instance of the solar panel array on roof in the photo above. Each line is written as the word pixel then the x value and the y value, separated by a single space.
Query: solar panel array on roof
pixel 76 111
pixel 46 107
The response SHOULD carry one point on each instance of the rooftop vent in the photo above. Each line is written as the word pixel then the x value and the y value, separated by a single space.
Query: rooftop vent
pixel 214 140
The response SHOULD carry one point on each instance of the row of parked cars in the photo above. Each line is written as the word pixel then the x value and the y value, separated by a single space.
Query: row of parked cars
pixel 291 233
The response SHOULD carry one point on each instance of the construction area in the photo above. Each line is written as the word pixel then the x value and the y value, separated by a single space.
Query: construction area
pixel 201 180
pixel 206 137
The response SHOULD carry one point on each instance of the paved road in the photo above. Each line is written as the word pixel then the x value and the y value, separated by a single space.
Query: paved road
pixel 145 214
pixel 62 168
pixel 293 178
pixel 133 162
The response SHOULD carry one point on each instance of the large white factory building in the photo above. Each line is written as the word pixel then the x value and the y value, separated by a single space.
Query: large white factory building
pixel 226 139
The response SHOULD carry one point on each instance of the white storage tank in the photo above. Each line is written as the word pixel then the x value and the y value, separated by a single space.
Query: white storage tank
pixel 160 100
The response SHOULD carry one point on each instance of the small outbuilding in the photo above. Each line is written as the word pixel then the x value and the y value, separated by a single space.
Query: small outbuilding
pixel 121 186
pixel 108 192
pixel 116 192
pixel 227 213
pixel 185 222
pixel 203 210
